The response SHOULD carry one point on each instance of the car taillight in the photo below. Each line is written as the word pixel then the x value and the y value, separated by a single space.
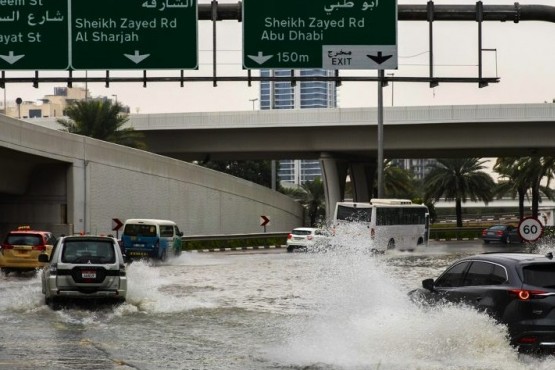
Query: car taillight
pixel 527 340
pixel 499 233
pixel 7 246
pixel 524 294
pixel 122 270
pixel 484 232
pixel 289 236
pixel 39 248
pixel 309 237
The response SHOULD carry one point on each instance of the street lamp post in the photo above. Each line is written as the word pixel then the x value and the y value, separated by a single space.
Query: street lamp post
pixel 253 100
pixel 18 101
pixel 392 75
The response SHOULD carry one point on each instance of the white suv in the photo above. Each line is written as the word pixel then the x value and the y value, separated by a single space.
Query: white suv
pixel 304 238
pixel 84 268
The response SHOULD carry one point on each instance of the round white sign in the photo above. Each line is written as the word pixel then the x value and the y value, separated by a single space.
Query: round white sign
pixel 530 229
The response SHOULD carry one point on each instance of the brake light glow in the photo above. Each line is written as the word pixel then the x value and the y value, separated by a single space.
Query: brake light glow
pixel 525 295
pixel 484 232
pixel 499 233
pixel 289 236
pixel 528 340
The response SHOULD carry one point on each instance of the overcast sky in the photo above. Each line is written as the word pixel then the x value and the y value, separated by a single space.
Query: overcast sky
pixel 524 60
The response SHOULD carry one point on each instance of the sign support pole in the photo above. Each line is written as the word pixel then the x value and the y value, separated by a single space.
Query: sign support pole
pixel 380 133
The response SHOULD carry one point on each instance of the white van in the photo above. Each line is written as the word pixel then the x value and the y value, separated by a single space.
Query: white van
pixel 150 238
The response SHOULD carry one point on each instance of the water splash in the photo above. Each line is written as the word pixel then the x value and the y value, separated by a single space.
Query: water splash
pixel 362 318
pixel 149 291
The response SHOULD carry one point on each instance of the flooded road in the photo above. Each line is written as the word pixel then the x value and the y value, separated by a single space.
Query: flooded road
pixel 267 310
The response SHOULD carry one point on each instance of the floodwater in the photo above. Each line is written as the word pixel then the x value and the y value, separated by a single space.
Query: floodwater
pixel 342 309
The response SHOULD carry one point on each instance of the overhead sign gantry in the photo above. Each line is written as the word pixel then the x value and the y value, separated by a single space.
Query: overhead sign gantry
pixel 99 34
pixel 330 34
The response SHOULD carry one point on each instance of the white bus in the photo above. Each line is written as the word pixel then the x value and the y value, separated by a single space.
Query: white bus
pixel 391 223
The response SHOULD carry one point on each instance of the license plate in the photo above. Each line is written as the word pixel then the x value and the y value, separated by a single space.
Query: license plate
pixel 138 254
pixel 88 274
pixel 137 245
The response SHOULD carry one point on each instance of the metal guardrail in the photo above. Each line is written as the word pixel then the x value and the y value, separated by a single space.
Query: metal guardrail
pixel 435 233
pixel 225 240
pixel 234 236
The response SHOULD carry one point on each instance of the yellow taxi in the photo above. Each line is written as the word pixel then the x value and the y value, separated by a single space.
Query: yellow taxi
pixel 21 248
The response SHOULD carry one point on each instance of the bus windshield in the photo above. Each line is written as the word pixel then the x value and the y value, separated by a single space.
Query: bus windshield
pixel 353 214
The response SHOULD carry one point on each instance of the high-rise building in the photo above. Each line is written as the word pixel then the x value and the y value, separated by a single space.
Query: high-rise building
pixel 302 95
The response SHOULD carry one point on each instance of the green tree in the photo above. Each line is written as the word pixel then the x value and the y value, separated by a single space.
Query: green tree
pixel 314 200
pixel 511 182
pixel 458 179
pixel 259 172
pixel 312 197
pixel 523 176
pixel 103 120
pixel 398 182
pixel 536 170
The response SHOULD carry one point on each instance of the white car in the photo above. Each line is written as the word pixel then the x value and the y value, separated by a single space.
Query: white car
pixel 305 238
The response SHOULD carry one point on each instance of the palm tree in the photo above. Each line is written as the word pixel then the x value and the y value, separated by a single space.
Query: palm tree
pixel 523 175
pixel 100 119
pixel 398 182
pixel 314 200
pixel 537 169
pixel 311 195
pixel 458 179
pixel 511 180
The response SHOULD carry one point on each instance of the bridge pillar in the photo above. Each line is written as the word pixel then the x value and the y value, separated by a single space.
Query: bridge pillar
pixel 334 177
pixel 362 176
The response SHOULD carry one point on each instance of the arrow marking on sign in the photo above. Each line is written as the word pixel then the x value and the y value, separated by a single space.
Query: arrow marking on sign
pixel 264 220
pixel 11 58
pixel 379 59
pixel 137 58
pixel 116 224
pixel 260 58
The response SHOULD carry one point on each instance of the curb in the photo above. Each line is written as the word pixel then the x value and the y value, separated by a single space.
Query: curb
pixel 455 239
pixel 235 249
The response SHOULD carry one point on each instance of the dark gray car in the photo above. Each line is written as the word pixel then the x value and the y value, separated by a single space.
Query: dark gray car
pixel 502 234
pixel 517 289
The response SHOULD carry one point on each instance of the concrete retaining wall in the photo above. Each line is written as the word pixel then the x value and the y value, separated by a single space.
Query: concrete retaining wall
pixel 106 181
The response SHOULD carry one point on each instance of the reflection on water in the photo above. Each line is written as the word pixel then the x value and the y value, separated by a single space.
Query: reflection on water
pixel 342 308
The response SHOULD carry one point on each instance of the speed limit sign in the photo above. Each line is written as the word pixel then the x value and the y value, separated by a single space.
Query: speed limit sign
pixel 530 229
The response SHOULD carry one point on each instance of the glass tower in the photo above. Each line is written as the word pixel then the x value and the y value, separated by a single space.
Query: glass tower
pixel 304 94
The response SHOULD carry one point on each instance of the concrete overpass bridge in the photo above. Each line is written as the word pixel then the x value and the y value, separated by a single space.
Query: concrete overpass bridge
pixel 345 140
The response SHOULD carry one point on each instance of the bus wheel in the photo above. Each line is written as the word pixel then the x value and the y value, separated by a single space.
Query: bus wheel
pixel 391 244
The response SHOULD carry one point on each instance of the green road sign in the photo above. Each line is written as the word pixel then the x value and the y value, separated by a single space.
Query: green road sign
pixel 33 34
pixel 330 34
pixel 134 34
pixel 98 34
